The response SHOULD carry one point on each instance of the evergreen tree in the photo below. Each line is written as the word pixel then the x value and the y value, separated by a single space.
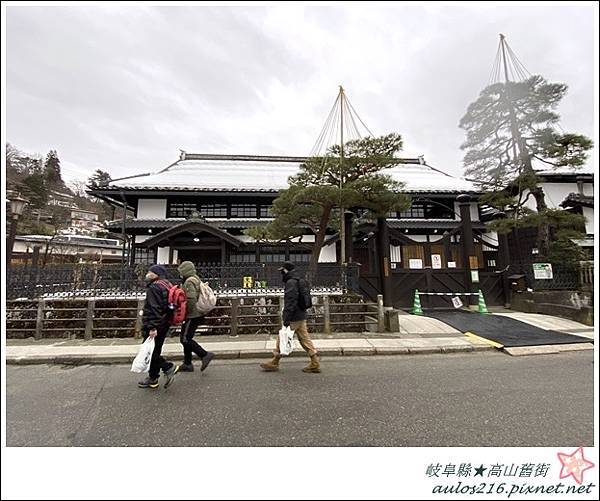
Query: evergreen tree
pixel 52 169
pixel 510 128
pixel 325 184
pixel 98 179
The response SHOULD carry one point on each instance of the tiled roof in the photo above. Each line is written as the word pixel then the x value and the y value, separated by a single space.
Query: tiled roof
pixel 244 173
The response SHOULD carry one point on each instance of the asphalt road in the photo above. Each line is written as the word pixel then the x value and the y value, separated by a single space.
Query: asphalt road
pixel 484 399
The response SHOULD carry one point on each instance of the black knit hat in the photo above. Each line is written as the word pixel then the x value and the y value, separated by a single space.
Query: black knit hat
pixel 289 266
pixel 159 270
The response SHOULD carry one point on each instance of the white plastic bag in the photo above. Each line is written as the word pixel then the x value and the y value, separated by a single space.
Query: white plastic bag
pixel 286 340
pixel 141 363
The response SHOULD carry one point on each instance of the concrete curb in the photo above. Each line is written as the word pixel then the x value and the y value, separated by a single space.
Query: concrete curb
pixel 548 349
pixel 87 359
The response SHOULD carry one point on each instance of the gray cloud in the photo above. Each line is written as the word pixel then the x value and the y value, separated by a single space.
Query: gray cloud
pixel 123 88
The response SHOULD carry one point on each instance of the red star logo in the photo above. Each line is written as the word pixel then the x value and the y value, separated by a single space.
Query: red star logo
pixel 574 464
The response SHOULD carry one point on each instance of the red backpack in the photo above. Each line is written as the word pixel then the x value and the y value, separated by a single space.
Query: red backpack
pixel 176 302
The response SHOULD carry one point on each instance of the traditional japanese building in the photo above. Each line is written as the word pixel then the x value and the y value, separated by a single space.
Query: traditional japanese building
pixel 198 208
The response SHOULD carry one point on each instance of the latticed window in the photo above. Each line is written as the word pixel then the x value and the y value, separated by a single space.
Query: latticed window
pixel 265 211
pixel 416 211
pixel 213 210
pixel 243 258
pixel 272 258
pixel 144 256
pixel 243 210
pixel 182 209
pixel 297 257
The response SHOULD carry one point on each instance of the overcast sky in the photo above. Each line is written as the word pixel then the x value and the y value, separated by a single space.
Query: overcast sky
pixel 122 89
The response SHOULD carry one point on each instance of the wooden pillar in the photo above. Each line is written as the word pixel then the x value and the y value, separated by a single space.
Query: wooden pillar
pixel 223 252
pixel 468 247
pixel 326 315
pixel 447 247
pixel 233 317
pixel 89 320
pixel 503 263
pixel 383 254
pixel 138 318
pixel 380 314
pixel 39 322
pixel 170 253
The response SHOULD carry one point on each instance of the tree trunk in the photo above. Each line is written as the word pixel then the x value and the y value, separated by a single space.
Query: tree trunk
pixel 319 239
pixel 543 236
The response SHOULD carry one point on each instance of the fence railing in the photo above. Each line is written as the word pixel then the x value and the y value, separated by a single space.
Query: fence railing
pixel 88 280
pixel 95 318
pixel 564 276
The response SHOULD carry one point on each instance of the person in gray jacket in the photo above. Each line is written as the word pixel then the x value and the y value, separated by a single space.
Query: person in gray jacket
pixel 193 318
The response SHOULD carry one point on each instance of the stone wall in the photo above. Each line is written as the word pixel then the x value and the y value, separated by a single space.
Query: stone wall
pixel 573 305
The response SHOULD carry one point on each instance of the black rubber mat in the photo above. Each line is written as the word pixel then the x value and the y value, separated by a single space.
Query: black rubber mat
pixel 504 330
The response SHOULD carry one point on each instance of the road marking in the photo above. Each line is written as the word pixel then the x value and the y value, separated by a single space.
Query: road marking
pixel 488 341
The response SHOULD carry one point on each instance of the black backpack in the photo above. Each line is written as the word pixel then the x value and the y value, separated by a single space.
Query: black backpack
pixel 304 298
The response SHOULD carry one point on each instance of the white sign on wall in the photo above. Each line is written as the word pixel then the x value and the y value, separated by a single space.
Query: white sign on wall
pixel 474 276
pixel 451 264
pixel 542 271
pixel 457 302
pixel 436 261
pixel 415 264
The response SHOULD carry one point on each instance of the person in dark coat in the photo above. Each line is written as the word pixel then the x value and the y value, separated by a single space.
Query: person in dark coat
pixel 294 316
pixel 155 324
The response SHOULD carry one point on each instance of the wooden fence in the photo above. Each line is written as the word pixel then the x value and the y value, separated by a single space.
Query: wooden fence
pixel 101 318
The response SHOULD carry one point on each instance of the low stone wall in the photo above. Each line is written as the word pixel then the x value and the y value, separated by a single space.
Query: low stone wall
pixel 573 305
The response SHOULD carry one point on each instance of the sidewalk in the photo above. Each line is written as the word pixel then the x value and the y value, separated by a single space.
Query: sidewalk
pixel 107 351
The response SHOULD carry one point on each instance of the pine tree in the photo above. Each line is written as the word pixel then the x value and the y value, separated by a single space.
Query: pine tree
pixel 326 184
pixel 511 127
pixel 52 169
pixel 98 179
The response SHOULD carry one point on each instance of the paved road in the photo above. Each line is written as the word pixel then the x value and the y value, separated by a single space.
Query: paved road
pixel 485 399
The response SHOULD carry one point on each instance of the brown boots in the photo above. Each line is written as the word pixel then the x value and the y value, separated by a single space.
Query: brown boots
pixel 273 365
pixel 314 366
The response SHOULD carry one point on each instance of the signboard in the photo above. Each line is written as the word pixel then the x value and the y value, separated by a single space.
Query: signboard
pixel 542 271
pixel 248 282
pixel 451 264
pixel 436 261
pixel 473 262
pixel 415 264
pixel 457 302
pixel 474 276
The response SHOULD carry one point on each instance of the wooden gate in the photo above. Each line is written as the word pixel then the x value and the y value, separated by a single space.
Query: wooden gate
pixel 404 283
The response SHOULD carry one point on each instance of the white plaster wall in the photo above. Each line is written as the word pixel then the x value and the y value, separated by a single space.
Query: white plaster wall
pixel 162 255
pixel 140 238
pixel 152 208
pixel 305 239
pixel 474 211
pixel 588 212
pixel 328 254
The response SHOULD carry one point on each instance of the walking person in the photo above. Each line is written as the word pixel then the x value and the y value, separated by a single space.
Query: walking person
pixel 155 324
pixel 191 286
pixel 295 297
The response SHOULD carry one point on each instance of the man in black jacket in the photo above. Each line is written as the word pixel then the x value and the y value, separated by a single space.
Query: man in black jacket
pixel 294 316
pixel 155 323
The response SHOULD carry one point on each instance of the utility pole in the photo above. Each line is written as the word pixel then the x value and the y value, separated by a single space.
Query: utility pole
pixel 342 225
pixel 511 110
